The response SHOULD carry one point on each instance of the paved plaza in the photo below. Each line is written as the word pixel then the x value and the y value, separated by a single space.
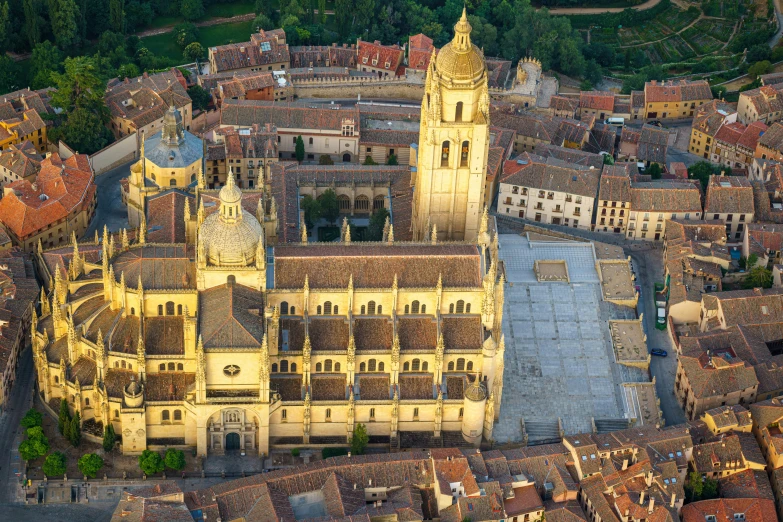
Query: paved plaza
pixel 559 360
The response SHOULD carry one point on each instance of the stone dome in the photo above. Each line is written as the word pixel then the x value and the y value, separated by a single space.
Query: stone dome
pixel 460 60
pixel 230 236
pixel 134 394
pixel 476 391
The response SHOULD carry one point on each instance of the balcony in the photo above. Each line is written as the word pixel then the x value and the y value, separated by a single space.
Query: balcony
pixel 508 201
pixel 559 210
pixel 539 206
pixel 577 213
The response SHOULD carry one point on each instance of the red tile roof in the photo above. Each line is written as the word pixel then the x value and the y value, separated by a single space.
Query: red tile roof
pixel 725 509
pixel 381 55
pixel 419 52
pixel 598 100
pixel 677 92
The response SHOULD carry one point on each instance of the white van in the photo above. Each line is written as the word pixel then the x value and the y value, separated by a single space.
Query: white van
pixel 617 122
pixel 661 315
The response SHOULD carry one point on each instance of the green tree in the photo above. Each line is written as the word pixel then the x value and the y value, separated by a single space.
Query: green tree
pixel 654 170
pixel 710 489
pixel 752 260
pixel 343 15
pixel 64 417
pixel 185 34
pixel 359 440
pixel 392 160
pixel 90 464
pixel 32 418
pixel 192 9
pixel 54 465
pixel 128 70
pixel 199 96
pixel 64 15
pixel 325 159
pixel 45 60
pixel 5 27
pixel 330 209
pixel 33 21
pixel 295 452
pixel 79 86
pixel 299 149
pixel 193 51
pixel 35 445
pixel 174 459
pixel 695 485
pixel 758 277
pixel 262 21
pixel 608 159
pixel 150 462
pixel 759 68
pixel 75 433
pixel 109 437
pixel 322 12
pixel 377 222
pixel 702 170
pixel 312 210
pixel 9 75
pixel 117 16
pixel 84 131
pixel 369 161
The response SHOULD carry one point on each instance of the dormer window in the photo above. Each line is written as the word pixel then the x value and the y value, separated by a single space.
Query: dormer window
pixel 364 60
pixel 764 310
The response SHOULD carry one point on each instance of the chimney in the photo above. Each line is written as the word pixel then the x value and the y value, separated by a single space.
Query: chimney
pixel 652 504
pixel 625 464
pixel 674 499
pixel 641 499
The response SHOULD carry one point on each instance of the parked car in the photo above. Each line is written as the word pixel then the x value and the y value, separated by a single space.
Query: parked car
pixel 656 123
pixel 661 315
pixel 659 352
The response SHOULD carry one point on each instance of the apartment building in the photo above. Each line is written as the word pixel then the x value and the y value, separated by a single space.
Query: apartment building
pixel 706 123
pixel 675 100
pixel 763 104
pixel 770 145
pixel 655 202
pixel 614 198
pixel 730 199
pixel 266 51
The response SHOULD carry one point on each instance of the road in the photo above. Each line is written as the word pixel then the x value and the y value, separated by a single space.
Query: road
pixel 20 400
pixel 649 4
pixel 779 16
pixel 110 210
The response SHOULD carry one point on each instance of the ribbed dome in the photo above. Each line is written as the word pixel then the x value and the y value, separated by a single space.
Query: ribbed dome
pixel 460 60
pixel 230 236
pixel 476 392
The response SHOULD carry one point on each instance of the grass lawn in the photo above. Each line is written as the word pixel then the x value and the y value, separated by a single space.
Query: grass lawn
pixel 238 7
pixel 164 45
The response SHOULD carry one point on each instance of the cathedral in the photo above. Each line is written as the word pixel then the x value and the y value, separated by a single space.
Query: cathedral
pixel 216 325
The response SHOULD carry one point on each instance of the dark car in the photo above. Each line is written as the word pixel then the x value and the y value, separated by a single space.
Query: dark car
pixel 659 352
pixel 656 123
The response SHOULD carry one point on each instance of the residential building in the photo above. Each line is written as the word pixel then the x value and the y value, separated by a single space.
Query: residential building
pixel 770 145
pixel 20 118
pixel 675 100
pixel 654 203
pixel 548 193
pixel 48 212
pixel 730 510
pixel 138 105
pixel 598 104
pixel 728 419
pixel 383 60
pixel 563 106
pixel 19 162
pixel 735 144
pixel 249 153
pixel 323 57
pixel 706 123
pixel 266 51
pixel 252 86
pixel 765 240
pixel 382 144
pixel 652 146
pixel 730 198
pixel 614 198
pixel 420 49
pixel 764 104
pixel 767 416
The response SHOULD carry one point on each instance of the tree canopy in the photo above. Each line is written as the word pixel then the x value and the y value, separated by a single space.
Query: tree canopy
pixel 90 464
pixel 150 462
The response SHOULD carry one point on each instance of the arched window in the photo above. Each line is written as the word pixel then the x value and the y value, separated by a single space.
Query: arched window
pixel 470 365
pixel 177 415
pixel 337 367
pixel 172 182
pixel 293 367
pixel 415 365
pixel 379 310
pixel 451 308
pixel 444 154
pixel 170 308
pixel 371 308
pixel 116 414
pixel 378 202
pixel 328 414
pixel 463 154
pixel 180 367
pixel 460 306
pixel 123 364
pixel 460 364
pixel 363 367
pixel 56 380
pixel 133 311
pixel 364 310
pixel 231 280
pixel 293 310
pixel 335 310
pixel 318 367
pixel 406 367
pixel 415 307
pixel 424 309
pixel 347 157
pixel 458 112
pixel 160 309
pixel 274 367
pixel 328 365
pixel 407 309
pixel 164 415
pixel 362 204
pixel 451 366
pixel 372 414
pixel 179 309
pixel 328 308
pixel 283 366
pixel 343 203
pixel 162 367
pixel 192 178
pixel 467 308
pixel 284 414
pixel 86 401
pixel 424 366
pixel 461 411
pixel 284 308
pixel 318 310
pixel 380 366
pixel 171 367
pixel 371 365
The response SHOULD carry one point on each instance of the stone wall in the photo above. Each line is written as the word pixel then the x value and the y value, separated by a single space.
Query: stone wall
pixel 119 152
pixel 392 89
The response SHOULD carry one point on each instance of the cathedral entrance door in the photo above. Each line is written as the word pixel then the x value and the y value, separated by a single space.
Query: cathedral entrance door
pixel 232 441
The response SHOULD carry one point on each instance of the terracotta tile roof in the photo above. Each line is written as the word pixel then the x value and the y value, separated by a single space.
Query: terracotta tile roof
pixel 729 195
pixel 751 483
pixel 239 86
pixel 746 307
pixel 61 189
pixel 498 71
pixel 289 387
pixel 296 333
pixel 462 333
pixel 598 100
pixel 166 216
pixel 168 386
pixel 374 266
pixel 751 135
pixel 419 52
pixel 765 237
pixel 231 316
pixel 541 176
pixel 726 375
pixel 328 387
pixel 773 137
pixel 495 158
pixel 399 138
pixel 726 509
pixel 116 380
pixel 615 184
pixel 665 196
pixel 416 386
pixel 569 155
pixel 378 56
pixel 323 56
pixel 158 266
pixel 374 387
pixel 253 53
pixel 766 100
pixel 146 98
pixel 372 334
pixel 682 91
pixel 455 387
pixel 328 334
pixel 136 508
pixel 23 159
pixel 417 333
pixel 653 144
pixel 291 115
pixel 525 500
pixel 534 126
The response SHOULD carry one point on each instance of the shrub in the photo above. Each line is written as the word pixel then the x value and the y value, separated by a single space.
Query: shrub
pixel 54 465
pixel 325 159
pixel 90 464
pixel 295 452
pixel 369 161
pixel 359 440
pixel 65 416
pixel 109 437
pixel 174 459
pixel 392 160
pixel 75 431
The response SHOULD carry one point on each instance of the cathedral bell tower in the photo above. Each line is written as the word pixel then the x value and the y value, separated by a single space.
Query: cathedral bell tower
pixel 453 142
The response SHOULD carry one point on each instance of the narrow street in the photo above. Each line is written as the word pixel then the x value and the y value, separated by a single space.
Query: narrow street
pixel 10 432
pixel 110 210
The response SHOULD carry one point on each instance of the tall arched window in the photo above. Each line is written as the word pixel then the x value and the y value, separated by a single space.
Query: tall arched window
pixel 460 306
pixel 362 204
pixel 416 364
pixel 162 367
pixel 319 310
pixel 284 308
pixel 378 201
pixel 407 309
pixel 444 154
pixel 164 415
pixel 328 365
pixel 406 367
pixel 363 367
pixel 123 364
pixel 337 367
pixel 379 309
pixel 460 364
pixel 371 365
pixel 424 366
pixel 467 308
pixel 335 311
pixel 328 308
pixel 415 307
pixel 293 367
pixel 172 367
pixel 371 308
pixel 343 203
pixel 318 367
pixel 177 415
pixel 470 365
pixel 274 367
pixel 116 414
pixel 170 308
pixel 293 310
pixel 179 309
pixel 180 367
pixel 463 154
pixel 451 308
pixel 451 366
pixel 284 366
pixel 424 309
pixel 133 311
pixel 364 310
pixel 160 309
pixel 458 112
pixel 380 366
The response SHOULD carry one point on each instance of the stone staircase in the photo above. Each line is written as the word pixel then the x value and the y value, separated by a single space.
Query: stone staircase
pixel 542 432
pixel 609 425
